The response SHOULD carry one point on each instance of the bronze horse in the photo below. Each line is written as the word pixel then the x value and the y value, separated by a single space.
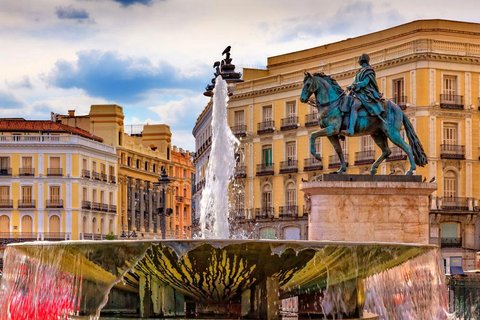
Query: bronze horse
pixel 330 100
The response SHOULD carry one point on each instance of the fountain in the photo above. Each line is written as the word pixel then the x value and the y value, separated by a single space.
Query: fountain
pixel 223 277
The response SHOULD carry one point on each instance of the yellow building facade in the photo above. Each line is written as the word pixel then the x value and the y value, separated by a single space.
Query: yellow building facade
pixel 140 156
pixel 431 68
pixel 41 178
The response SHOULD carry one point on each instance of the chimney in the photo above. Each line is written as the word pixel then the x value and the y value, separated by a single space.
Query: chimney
pixel 71 113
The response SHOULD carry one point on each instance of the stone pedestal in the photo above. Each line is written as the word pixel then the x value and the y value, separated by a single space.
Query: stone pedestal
pixel 362 208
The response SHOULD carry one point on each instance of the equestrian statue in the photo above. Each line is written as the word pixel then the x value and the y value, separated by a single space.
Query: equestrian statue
pixel 359 112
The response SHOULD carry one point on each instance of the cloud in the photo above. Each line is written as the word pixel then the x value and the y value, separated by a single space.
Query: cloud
pixel 70 13
pixel 23 83
pixel 180 112
pixel 126 3
pixel 9 101
pixel 121 79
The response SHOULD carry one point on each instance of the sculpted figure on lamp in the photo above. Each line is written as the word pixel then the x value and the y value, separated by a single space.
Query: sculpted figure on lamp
pixel 381 119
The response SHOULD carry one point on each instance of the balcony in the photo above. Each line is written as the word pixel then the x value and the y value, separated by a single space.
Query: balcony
pixel 86 205
pixel 311 120
pixel 27 172
pixel 112 208
pixel 26 203
pixel 86 174
pixel 289 166
pixel 452 151
pixel 265 127
pixel 312 164
pixel 240 172
pixel 239 214
pixel 179 198
pixel 95 175
pixel 104 177
pixel 54 172
pixel 288 211
pixel 95 206
pixel 239 130
pixel 364 157
pixel 397 154
pixel 104 207
pixel 454 203
pixel 54 203
pixel 451 101
pixel 6 203
pixel 112 179
pixel 264 213
pixel 289 123
pixel 265 169
pixel 5 171
pixel 451 242
pixel 400 101
pixel 56 236
pixel 334 161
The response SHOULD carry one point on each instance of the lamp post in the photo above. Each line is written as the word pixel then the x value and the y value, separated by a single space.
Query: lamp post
pixel 163 211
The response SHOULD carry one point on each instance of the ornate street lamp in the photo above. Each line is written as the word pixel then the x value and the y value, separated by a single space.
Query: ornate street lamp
pixel 163 211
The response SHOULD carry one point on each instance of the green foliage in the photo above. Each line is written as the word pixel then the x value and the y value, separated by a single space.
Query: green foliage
pixel 110 236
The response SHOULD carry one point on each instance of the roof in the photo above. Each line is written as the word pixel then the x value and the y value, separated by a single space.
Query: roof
pixel 22 125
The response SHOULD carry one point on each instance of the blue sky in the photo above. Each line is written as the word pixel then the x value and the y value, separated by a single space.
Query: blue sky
pixel 155 57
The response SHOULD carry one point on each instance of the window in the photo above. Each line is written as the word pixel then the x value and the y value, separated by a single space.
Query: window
pixel 450 185
pixel 291 150
pixel 291 195
pixel 84 225
pixel 4 164
pixel 55 193
pixel 267 113
pixel 84 164
pixel 267 196
pixel 398 89
pixel 94 195
pixel 291 109
pixel 154 168
pixel 4 224
pixel 27 194
pixel 103 168
pixel 129 161
pixel 268 233
pixel 55 162
pixel 239 118
pixel 84 194
pixel 27 162
pixel 102 196
pixel 146 166
pixel 111 171
pixel 110 198
pixel 4 194
pixel 94 166
pixel 450 134
pixel 267 155
pixel 138 163
pixel 366 143
pixel 54 224
pixel 291 233
pixel 27 225
pixel 449 86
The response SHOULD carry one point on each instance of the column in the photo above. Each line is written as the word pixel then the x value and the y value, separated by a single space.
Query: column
pixel 150 210
pixel 159 204
pixel 132 207
pixel 142 206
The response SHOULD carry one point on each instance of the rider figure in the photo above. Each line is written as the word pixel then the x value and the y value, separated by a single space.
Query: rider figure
pixel 365 88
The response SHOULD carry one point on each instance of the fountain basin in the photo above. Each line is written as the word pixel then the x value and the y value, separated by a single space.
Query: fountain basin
pixel 75 277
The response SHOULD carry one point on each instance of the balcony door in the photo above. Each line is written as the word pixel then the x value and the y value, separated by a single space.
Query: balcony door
pixel 4 195
pixel 4 225
pixel 291 109
pixel 291 150
pixel 366 143
pixel 398 90
pixel 267 159
pixel 27 194
pixel 239 118
pixel 291 195
pixel 27 225
pixel 267 113
pixel 54 224
pixel 450 185
pixel 55 193
pixel 450 87
pixel 267 197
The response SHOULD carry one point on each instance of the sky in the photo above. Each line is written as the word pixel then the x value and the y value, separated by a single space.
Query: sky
pixel 155 57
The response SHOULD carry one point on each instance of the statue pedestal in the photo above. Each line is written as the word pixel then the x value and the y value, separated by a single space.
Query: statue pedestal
pixel 363 208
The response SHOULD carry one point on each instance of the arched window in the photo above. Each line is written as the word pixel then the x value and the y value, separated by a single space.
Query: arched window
pixel 110 226
pixel 450 185
pixel 84 225
pixel 4 224
pixel 267 209
pixel 27 225
pixel 450 234
pixel 94 226
pixel 54 224
pixel 102 226
pixel 291 195
pixel 268 233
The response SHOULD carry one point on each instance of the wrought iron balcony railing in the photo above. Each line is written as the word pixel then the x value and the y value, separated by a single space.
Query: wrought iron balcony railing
pixel 454 203
pixel 289 123
pixel 54 203
pixel 104 207
pixel 6 203
pixel 112 208
pixel 239 214
pixel 451 101
pixel 95 175
pixel 364 157
pixel 55 172
pixel 288 211
pixel 86 174
pixel 86 205
pixel 312 164
pixel 265 169
pixel 27 172
pixel 239 130
pixel 112 179
pixel 452 151
pixel 289 166
pixel 451 242
pixel 397 154
pixel 96 206
pixel 26 203
pixel 264 213
pixel 240 172
pixel 400 101
pixel 5 171
pixel 104 177
pixel 311 119
pixel 267 126
pixel 334 160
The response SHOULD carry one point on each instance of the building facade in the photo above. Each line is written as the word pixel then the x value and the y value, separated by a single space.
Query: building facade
pixel 431 68
pixel 140 158
pixel 44 167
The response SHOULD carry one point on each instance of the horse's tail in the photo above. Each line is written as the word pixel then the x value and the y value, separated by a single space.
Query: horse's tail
pixel 417 149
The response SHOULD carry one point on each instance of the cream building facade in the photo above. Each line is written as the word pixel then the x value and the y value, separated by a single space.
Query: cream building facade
pixel 45 192
pixel 431 68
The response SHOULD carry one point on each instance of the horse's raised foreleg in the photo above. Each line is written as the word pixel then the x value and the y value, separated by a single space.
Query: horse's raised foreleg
pixel 381 140
pixel 397 139
pixel 328 131
pixel 335 141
